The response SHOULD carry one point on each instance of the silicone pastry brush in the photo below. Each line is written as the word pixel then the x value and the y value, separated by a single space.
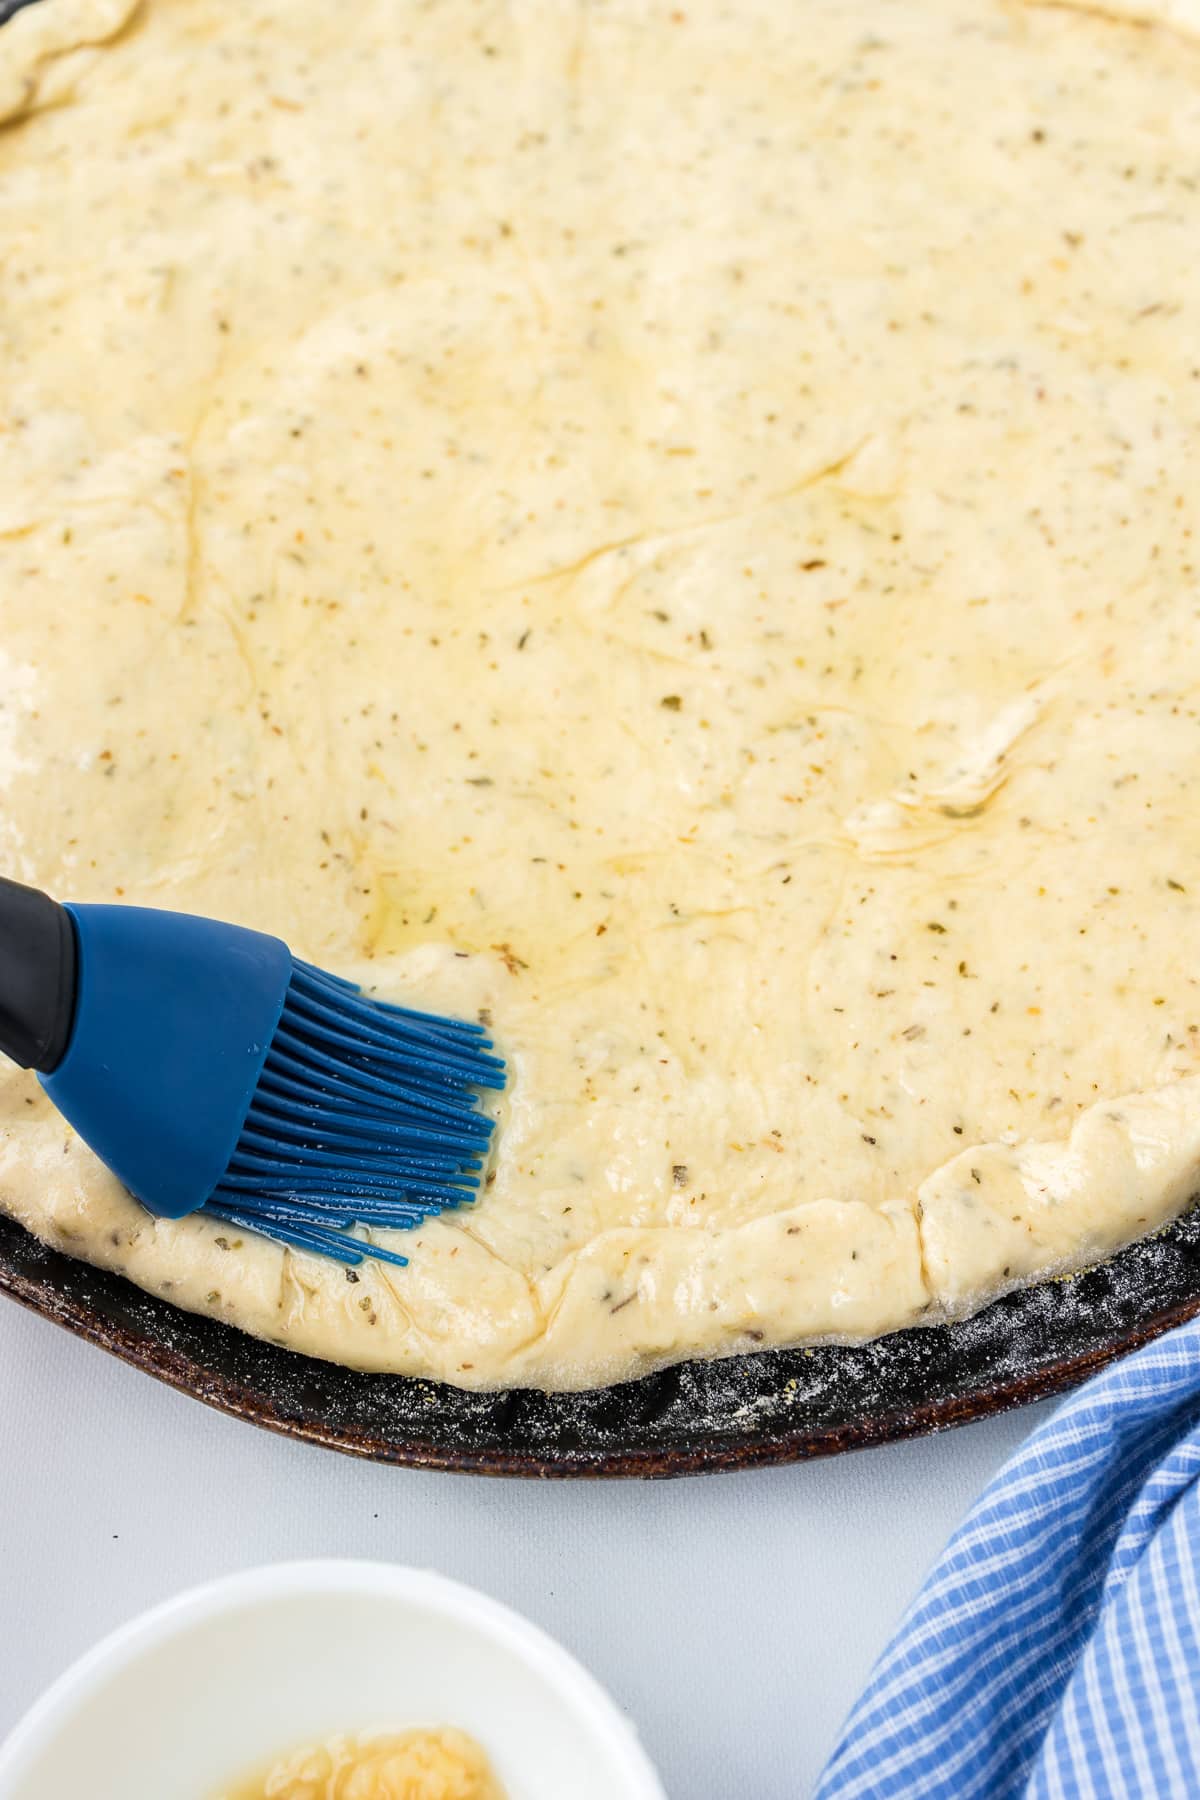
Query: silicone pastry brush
pixel 214 1072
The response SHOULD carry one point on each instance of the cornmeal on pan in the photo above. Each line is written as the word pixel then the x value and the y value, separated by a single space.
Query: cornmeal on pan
pixel 670 529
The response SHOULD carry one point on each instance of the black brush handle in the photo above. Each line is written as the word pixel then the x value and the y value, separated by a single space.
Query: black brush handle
pixel 38 968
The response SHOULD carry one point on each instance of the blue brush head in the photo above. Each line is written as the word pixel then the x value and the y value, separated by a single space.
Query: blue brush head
pixel 214 1072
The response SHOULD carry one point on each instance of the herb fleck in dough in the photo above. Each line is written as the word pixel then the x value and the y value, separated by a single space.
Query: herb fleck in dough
pixel 669 529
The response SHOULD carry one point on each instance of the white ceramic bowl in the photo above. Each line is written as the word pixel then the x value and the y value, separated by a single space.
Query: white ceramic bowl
pixel 207 1687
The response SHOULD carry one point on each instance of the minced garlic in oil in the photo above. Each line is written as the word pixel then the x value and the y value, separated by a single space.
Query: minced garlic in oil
pixel 441 1764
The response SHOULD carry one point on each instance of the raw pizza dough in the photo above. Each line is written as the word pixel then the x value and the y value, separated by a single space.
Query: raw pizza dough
pixel 671 527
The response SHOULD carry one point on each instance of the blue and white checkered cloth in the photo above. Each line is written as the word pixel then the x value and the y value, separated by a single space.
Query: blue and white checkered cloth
pixel 1054 1651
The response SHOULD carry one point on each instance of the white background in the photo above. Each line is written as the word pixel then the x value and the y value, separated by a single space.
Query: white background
pixel 734 1616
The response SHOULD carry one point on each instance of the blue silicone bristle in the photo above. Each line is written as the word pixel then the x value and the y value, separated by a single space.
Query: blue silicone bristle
pixel 365 1114
pixel 213 1072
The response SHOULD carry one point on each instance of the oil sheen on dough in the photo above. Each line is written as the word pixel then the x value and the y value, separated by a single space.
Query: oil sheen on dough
pixel 672 527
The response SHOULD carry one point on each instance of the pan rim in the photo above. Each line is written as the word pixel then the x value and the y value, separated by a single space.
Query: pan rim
pixel 60 1289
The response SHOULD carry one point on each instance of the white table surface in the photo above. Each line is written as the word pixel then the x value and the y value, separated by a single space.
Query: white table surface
pixel 735 1617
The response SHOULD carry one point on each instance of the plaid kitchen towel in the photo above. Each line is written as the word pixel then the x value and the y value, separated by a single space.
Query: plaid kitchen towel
pixel 1054 1651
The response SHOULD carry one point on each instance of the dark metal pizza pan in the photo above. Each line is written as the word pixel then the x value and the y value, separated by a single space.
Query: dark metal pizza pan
pixel 738 1413
pixel 741 1412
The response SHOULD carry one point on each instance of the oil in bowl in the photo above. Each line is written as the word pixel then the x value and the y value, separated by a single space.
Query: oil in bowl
pixel 427 1764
